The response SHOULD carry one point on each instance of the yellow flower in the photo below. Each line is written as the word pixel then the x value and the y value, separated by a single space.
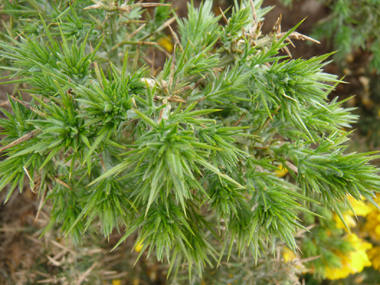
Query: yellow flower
pixel 166 43
pixel 281 172
pixel 116 282
pixel 374 256
pixel 353 262
pixel 372 225
pixel 348 218
pixel 288 254
pixel 139 246
pixel 360 208
pixel 338 272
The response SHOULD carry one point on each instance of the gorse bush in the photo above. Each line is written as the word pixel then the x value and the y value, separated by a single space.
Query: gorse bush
pixel 187 159
pixel 352 28
pixel 351 25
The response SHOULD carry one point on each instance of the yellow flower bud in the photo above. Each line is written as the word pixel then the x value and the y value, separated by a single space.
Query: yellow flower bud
pixel 139 246
pixel 166 43
pixel 281 172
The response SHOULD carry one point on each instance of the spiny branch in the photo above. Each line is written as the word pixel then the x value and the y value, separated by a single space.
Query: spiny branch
pixel 28 106
pixel 124 7
pixel 24 138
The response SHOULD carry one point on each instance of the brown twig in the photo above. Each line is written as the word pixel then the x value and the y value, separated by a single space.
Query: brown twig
pixel 28 106
pixel 62 183
pixel 152 5
pixel 124 7
pixel 85 274
pixel 102 162
pixel 131 121
pixel 175 38
pixel 286 49
pixel 224 16
pixel 199 82
pixel 292 166
pixel 153 61
pixel 166 24
pixel 267 121
pixel 139 43
pixel 290 41
pixel 238 121
pixel 40 205
pixel 298 36
pixel 254 16
pixel 161 114
pixel 203 98
pixel 175 99
pixel 136 31
pixel 277 26
pixel 24 138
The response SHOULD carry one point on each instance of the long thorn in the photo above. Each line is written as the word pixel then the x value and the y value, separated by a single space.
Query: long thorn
pixel 224 16
pixel 175 38
pixel 254 15
pixel 136 31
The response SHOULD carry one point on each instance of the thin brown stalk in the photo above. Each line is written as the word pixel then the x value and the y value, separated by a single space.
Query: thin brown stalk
pixel 238 121
pixel 277 26
pixel 224 16
pixel 30 178
pixel 290 41
pixel 139 43
pixel 28 106
pixel 62 183
pixel 24 138
pixel 292 166
pixel 136 31
pixel 40 205
pixel 165 24
pixel 161 114
pixel 254 15
pixel 88 271
pixel 203 98
pixel 267 121
pixel 175 38
pixel 298 36
pixel 131 121
pixel 175 99
pixel 151 5
pixel 102 162
pixel 287 51
pixel 153 61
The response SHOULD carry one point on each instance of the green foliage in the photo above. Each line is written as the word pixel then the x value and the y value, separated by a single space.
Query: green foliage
pixel 351 25
pixel 185 160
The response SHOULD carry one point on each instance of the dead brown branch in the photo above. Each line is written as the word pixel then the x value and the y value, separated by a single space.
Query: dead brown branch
pixel 24 138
